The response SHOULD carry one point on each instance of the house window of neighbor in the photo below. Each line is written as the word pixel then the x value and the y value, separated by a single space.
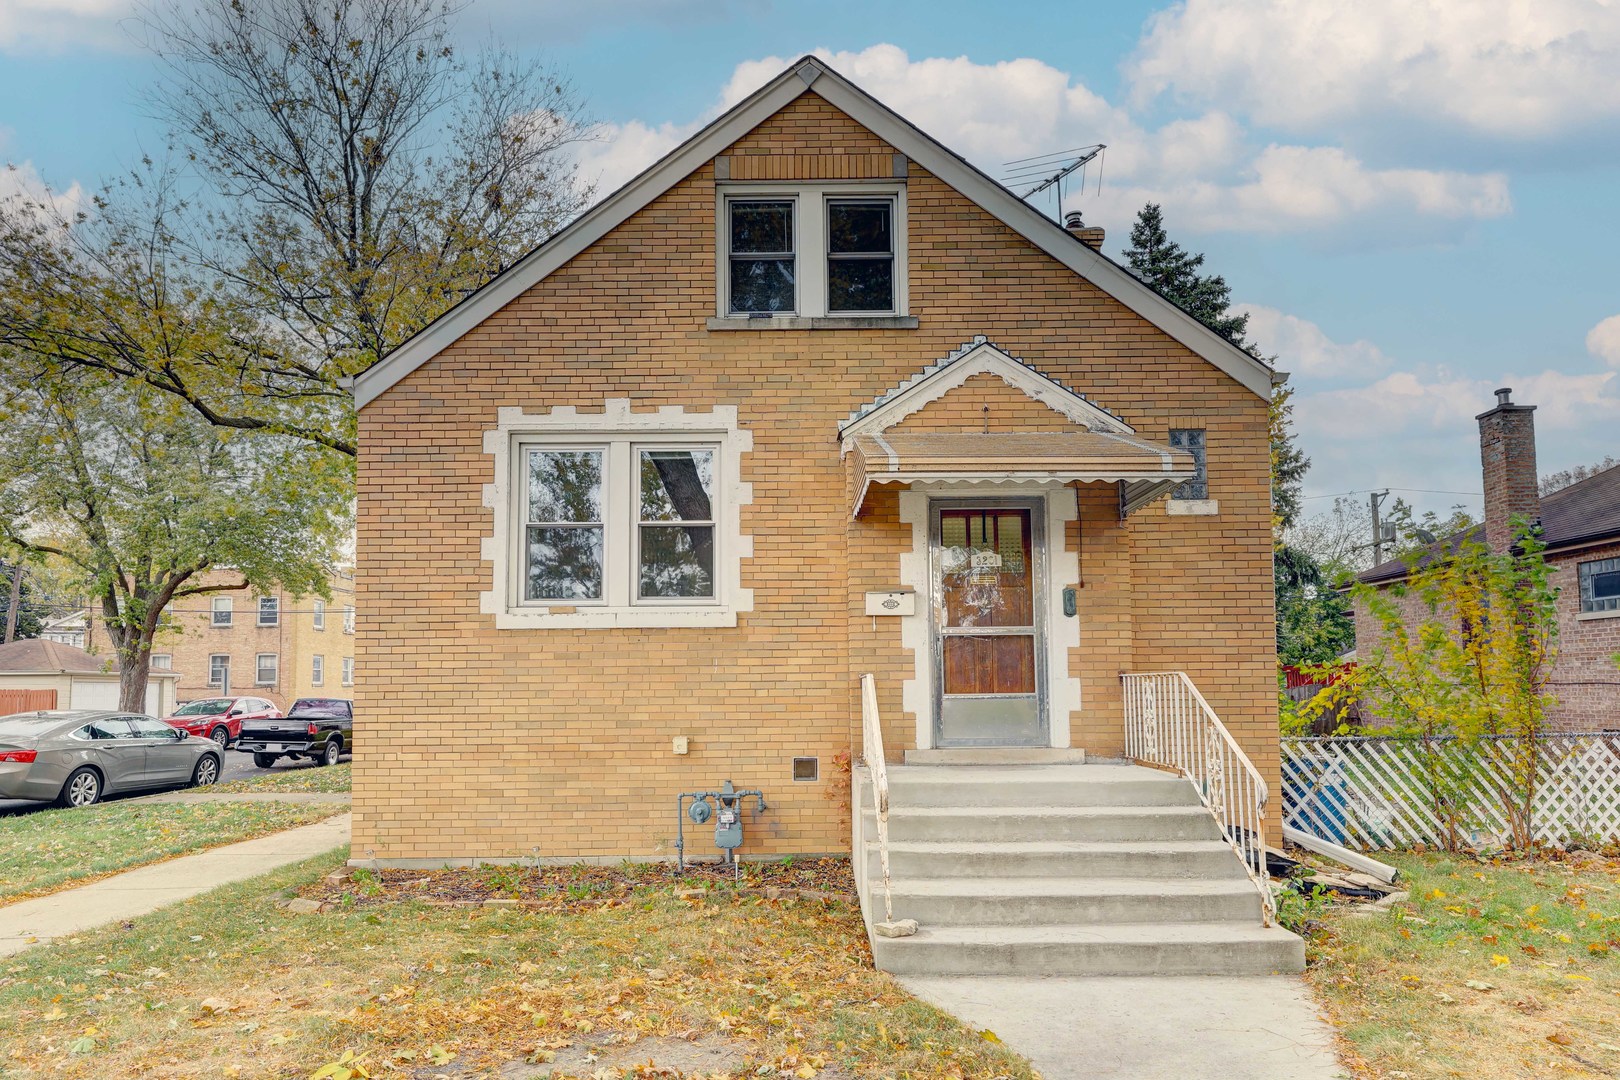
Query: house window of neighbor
pixel 1600 585
pixel 860 256
pixel 265 667
pixel 269 611
pixel 348 671
pixel 348 620
pixel 222 609
pixel 162 662
pixel 317 671
pixel 761 261
pixel 219 669
pixel 1192 441
pixel 319 621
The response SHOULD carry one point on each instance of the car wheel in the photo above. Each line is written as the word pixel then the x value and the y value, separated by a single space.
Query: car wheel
pixel 264 761
pixel 329 755
pixel 83 788
pixel 221 736
pixel 207 771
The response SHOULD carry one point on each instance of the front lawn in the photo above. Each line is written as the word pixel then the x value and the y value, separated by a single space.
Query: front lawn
pixel 316 778
pixel 54 849
pixel 1490 970
pixel 228 985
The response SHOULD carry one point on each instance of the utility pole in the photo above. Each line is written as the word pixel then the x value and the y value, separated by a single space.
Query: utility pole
pixel 16 601
pixel 1373 499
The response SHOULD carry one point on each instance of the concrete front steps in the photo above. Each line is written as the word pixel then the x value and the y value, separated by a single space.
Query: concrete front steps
pixel 1062 869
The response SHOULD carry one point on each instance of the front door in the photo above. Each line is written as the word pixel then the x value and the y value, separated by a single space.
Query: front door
pixel 987 615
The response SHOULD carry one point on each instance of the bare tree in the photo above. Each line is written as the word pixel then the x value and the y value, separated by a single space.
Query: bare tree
pixel 1565 477
pixel 358 176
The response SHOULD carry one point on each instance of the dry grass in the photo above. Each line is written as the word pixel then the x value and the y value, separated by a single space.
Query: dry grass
pixel 229 985
pixel 299 777
pixel 1491 970
pixel 52 850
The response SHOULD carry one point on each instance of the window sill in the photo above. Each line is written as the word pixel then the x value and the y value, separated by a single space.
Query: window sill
pixel 820 322
pixel 1586 616
pixel 600 618
pixel 1192 507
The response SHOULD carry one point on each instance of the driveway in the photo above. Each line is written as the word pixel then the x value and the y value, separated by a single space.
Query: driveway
pixel 237 767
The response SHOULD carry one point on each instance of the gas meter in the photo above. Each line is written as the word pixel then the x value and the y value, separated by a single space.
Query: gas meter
pixel 726 813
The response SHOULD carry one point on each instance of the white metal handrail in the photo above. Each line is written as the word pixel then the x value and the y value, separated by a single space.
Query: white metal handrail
pixel 872 753
pixel 1169 724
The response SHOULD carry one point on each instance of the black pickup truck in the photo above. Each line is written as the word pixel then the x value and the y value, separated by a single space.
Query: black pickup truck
pixel 318 728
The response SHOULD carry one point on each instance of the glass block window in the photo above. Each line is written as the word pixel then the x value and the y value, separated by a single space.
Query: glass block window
pixel 1600 585
pixel 860 256
pixel 762 262
pixel 1192 441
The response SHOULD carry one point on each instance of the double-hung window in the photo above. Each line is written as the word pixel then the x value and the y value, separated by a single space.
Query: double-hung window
pixel 319 620
pixel 860 256
pixel 269 611
pixel 219 669
pixel 1600 586
pixel 620 523
pixel 317 670
pixel 221 611
pixel 267 666
pixel 762 264
pixel 791 253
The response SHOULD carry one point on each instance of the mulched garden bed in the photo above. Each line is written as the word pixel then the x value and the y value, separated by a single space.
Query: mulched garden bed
pixel 582 886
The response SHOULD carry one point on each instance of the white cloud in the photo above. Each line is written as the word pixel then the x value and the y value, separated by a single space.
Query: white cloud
pixel 1603 341
pixel 59 24
pixel 1202 168
pixel 22 182
pixel 1302 348
pixel 1507 69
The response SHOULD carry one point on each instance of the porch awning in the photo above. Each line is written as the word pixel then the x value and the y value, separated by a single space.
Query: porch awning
pixel 1146 469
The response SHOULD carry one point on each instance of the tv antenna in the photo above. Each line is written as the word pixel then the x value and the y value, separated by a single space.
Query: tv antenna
pixel 1037 174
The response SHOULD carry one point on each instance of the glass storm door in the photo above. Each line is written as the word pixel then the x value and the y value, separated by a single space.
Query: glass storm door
pixel 987 625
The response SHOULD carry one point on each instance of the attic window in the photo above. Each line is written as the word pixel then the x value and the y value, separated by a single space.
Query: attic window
pixel 762 262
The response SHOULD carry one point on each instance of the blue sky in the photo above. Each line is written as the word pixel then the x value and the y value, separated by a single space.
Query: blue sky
pixel 1416 199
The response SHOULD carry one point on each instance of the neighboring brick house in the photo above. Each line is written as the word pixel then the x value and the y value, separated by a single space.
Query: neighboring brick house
pixel 1580 525
pixel 270 645
pixel 810 398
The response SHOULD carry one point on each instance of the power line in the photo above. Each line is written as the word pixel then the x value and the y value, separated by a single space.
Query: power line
pixel 1425 491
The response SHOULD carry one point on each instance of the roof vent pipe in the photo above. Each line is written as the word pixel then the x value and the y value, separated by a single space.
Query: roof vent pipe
pixel 1089 235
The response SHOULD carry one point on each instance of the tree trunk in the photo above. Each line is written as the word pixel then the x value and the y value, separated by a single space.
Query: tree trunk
pixel 134 662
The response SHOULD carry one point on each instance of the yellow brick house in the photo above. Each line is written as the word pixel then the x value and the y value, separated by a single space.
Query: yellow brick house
pixel 809 400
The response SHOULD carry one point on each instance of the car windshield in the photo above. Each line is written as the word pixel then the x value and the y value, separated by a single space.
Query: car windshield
pixel 204 708
pixel 317 706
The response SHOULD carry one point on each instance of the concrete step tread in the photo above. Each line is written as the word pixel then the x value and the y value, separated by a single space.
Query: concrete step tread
pixel 895 809
pixel 1165 933
pixel 1017 887
pixel 1019 774
pixel 1052 847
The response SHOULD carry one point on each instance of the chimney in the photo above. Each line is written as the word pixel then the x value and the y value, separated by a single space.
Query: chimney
pixel 1090 235
pixel 1507 457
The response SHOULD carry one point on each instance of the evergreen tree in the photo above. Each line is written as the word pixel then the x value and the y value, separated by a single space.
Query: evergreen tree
pixel 1162 263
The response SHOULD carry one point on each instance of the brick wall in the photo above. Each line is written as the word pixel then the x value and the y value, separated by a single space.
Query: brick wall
pixel 505 743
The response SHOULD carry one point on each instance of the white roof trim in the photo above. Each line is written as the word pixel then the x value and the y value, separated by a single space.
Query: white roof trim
pixel 810 75
pixel 978 357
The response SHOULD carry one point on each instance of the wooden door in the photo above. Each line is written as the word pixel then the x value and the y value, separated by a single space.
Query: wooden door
pixel 988 634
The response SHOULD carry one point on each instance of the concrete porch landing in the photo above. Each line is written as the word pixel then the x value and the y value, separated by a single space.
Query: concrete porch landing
pixel 996 755
pixel 1154 1028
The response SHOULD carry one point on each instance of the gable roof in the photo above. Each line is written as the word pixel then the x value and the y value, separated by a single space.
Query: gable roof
pixel 36 656
pixel 977 357
pixel 811 75
pixel 1585 512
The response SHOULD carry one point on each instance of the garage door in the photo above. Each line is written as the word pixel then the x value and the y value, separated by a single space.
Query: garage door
pixel 95 694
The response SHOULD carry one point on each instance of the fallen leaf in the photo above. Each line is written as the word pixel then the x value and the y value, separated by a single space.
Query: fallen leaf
pixel 989 1036
pixel 1560 1038
pixel 1481 986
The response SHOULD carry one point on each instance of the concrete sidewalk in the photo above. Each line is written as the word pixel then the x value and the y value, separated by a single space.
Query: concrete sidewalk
pixel 137 892
pixel 1150 1028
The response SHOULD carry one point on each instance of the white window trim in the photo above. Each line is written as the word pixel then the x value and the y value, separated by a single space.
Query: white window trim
pixel 168 662
pixel 347 673
pixel 274 611
pixel 319 616
pixel 258 668
pixel 317 670
pixel 622 429
pixel 809 246
pixel 215 611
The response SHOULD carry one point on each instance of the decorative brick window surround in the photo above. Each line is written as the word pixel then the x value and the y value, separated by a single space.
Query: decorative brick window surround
pixel 589 530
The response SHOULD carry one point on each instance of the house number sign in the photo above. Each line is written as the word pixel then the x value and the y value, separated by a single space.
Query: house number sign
pixel 984 567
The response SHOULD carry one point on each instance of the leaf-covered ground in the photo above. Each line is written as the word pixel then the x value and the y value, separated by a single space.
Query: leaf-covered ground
pixel 649 984
pixel 1491 970
pixel 55 849
pixel 297 778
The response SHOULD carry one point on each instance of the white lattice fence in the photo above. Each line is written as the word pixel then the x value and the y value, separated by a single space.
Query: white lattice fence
pixel 1377 793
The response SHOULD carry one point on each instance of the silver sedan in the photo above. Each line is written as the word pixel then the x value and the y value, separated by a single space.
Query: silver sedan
pixel 75 757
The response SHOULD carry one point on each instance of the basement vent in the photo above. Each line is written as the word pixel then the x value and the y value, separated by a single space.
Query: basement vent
pixel 806 768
